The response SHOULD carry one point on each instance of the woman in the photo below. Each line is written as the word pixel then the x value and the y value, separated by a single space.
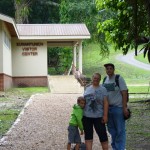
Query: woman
pixel 95 112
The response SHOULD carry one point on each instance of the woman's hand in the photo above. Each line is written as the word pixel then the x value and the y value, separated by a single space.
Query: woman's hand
pixel 104 119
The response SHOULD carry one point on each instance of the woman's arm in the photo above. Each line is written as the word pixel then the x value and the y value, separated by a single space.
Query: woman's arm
pixel 105 116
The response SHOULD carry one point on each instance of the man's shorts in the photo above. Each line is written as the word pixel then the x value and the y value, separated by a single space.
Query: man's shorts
pixel 73 135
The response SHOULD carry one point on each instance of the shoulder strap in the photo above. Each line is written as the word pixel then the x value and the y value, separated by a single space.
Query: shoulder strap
pixel 117 79
pixel 104 79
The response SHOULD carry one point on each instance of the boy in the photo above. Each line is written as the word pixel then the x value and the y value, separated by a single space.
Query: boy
pixel 75 123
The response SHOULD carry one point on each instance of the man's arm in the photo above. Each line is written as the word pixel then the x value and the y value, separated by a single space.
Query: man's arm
pixel 124 102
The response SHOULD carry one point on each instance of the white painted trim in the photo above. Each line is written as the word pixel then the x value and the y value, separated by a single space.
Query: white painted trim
pixel 80 56
pixel 74 56
pixel 59 44
pixel 54 37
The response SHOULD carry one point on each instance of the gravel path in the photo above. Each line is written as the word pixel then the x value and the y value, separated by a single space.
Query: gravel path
pixel 42 125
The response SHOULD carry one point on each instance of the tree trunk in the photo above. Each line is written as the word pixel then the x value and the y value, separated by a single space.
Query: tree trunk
pixel 22 10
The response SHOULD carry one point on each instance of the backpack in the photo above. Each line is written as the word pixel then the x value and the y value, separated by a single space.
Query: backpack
pixel 117 84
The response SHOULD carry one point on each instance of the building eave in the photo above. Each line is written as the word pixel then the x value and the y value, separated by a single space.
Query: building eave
pixel 9 20
pixel 54 37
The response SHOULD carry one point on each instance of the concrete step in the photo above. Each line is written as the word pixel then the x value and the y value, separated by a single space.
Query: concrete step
pixel 64 84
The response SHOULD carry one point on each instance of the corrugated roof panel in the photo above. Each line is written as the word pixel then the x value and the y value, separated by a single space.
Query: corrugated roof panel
pixel 52 30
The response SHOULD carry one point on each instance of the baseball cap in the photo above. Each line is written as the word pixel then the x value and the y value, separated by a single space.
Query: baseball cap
pixel 109 64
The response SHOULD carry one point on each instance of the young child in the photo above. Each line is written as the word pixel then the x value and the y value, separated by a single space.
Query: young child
pixel 75 123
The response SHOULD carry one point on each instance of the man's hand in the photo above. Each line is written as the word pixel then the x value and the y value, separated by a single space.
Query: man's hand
pixel 126 112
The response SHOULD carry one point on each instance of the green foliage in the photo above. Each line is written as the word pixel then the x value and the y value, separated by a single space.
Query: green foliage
pixel 127 24
pixel 59 59
pixel 7 7
pixel 36 11
pixel 83 11
pixel 47 13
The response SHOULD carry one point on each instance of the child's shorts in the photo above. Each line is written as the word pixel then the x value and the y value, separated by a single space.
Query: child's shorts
pixel 73 135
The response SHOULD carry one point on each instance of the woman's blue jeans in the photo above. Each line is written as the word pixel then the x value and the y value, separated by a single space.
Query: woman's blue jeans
pixel 116 127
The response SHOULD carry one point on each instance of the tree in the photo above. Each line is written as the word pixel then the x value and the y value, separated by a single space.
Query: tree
pixel 128 26
pixel 60 59
pixel 36 11
pixel 22 10
pixel 83 11
pixel 48 11
pixel 7 7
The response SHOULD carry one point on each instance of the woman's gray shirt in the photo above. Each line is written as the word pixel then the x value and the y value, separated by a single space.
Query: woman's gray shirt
pixel 94 101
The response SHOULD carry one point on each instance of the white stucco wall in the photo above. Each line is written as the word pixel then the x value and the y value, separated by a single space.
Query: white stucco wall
pixel 1 48
pixel 7 58
pixel 29 58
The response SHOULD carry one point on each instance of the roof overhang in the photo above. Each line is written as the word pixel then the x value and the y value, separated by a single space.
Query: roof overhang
pixel 67 32
pixel 10 23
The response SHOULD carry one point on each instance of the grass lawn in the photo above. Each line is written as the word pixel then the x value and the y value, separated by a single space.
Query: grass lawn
pixel 12 103
pixel 93 62
pixel 141 58
pixel 139 89
pixel 7 118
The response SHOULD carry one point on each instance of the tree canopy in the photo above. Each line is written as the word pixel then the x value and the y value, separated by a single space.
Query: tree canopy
pixel 125 23
pixel 7 7
pixel 36 11
pixel 83 11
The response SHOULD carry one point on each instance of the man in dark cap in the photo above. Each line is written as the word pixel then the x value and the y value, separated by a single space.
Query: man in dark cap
pixel 109 64
pixel 117 98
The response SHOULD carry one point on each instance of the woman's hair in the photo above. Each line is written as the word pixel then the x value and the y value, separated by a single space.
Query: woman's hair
pixel 81 98
pixel 96 73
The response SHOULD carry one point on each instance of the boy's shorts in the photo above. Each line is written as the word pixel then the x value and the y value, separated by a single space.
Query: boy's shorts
pixel 73 135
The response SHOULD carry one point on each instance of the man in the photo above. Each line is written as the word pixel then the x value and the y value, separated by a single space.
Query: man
pixel 117 99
